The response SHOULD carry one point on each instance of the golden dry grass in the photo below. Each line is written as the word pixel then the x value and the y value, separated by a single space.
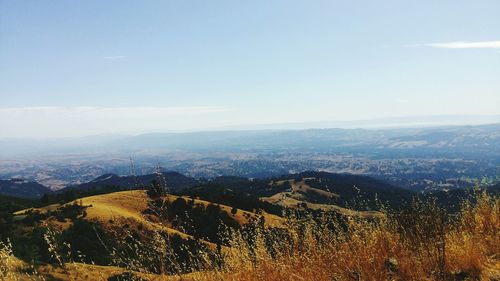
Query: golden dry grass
pixel 295 198
pixel 302 187
pixel 128 207
pixel 465 248
pixel 81 271
pixel 377 251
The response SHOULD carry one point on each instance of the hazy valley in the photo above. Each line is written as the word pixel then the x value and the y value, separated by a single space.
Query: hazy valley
pixel 417 159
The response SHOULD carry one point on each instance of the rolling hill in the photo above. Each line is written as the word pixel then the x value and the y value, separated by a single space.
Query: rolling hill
pixel 22 188
pixel 125 233
pixel 176 181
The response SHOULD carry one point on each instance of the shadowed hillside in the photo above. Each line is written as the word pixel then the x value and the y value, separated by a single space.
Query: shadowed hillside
pixel 23 188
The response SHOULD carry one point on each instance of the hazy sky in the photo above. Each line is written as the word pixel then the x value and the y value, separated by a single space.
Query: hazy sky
pixel 71 68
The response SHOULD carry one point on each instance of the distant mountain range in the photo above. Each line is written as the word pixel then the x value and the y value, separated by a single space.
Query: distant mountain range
pixel 378 123
pixel 430 158
pixel 448 139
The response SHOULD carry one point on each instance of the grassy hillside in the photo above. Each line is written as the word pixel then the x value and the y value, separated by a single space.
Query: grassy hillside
pixel 298 194
pixel 133 206
pixel 420 243
pixel 311 226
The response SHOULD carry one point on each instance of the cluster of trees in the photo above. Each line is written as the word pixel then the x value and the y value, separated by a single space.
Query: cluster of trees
pixel 361 192
pixel 29 239
pixel 200 221
pixel 243 199
pixel 9 205
pixel 83 241
pixel 73 194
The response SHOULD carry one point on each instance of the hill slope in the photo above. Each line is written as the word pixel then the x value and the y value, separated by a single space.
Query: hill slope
pixel 22 188
pixel 175 181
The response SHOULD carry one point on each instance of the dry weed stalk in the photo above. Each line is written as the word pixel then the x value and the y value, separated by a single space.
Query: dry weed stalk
pixel 424 243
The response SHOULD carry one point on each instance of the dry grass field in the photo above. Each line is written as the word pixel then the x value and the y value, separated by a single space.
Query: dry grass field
pixel 118 208
pixel 296 197
pixel 420 245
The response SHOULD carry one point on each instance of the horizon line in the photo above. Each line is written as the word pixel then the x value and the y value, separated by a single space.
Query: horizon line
pixel 405 122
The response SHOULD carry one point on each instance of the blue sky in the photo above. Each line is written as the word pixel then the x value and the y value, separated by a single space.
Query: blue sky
pixel 70 68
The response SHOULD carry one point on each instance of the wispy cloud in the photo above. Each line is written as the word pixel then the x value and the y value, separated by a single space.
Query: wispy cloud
pixel 461 45
pixel 87 120
pixel 114 57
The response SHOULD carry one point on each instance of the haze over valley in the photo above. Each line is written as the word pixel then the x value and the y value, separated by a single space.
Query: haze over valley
pixel 414 158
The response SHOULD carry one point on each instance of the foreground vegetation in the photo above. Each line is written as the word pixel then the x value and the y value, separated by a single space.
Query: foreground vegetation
pixel 421 242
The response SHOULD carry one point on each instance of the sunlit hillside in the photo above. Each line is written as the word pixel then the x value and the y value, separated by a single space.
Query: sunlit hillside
pixel 133 236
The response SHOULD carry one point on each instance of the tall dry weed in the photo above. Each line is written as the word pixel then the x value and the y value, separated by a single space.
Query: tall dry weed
pixel 423 242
